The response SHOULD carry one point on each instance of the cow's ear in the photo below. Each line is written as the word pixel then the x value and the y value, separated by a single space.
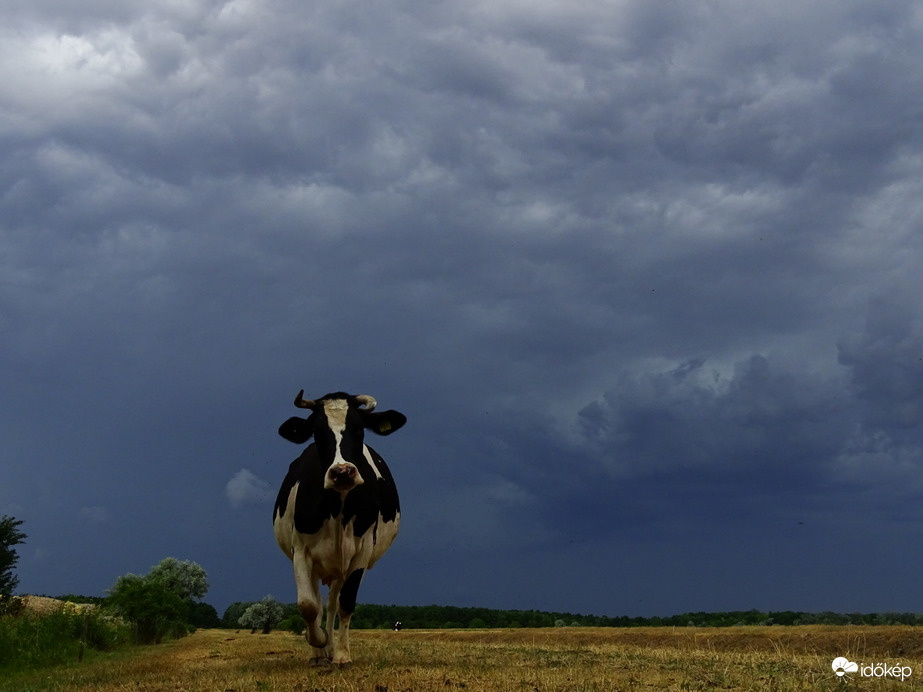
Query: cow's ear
pixel 297 430
pixel 385 422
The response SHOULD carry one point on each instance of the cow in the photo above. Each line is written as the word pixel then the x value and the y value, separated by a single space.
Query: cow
pixel 337 511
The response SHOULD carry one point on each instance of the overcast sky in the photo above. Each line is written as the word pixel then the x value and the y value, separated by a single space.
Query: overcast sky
pixel 645 277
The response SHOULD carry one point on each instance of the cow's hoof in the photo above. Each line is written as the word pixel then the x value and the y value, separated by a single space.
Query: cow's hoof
pixel 319 661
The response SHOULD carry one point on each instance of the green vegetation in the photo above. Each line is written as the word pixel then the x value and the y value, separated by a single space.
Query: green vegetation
pixel 160 604
pixel 154 610
pixel 29 640
pixel 447 617
pixel 264 615
pixel 368 616
pixel 140 610
pixel 186 579
pixel 10 536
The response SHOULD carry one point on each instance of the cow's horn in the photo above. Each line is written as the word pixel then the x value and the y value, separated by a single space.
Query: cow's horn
pixel 367 401
pixel 303 403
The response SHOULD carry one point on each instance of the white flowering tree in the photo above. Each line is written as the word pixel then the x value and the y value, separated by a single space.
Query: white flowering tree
pixel 263 615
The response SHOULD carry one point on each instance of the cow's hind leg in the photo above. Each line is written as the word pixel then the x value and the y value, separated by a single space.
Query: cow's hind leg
pixel 345 605
pixel 309 604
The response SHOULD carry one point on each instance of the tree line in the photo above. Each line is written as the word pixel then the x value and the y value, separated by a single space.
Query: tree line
pixel 370 616
pixel 167 602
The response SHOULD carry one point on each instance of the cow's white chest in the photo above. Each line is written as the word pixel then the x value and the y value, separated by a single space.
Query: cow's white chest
pixel 336 551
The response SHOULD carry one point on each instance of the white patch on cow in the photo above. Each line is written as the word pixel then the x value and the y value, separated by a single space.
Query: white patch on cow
pixel 336 410
pixel 368 457
pixel 284 526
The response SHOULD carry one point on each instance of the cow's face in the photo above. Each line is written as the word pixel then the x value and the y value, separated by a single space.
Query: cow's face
pixel 338 423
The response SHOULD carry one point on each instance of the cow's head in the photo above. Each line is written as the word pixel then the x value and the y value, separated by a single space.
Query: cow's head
pixel 338 423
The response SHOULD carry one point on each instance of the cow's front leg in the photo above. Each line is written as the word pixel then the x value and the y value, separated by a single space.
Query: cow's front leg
pixel 345 605
pixel 333 596
pixel 309 604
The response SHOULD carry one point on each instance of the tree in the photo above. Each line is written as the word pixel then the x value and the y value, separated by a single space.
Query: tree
pixel 153 609
pixel 161 602
pixel 203 615
pixel 232 614
pixel 186 579
pixel 263 615
pixel 10 535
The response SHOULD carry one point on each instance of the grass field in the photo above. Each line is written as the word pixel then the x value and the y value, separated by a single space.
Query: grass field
pixel 527 660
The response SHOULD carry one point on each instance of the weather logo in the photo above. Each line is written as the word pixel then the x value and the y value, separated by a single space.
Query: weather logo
pixel 841 666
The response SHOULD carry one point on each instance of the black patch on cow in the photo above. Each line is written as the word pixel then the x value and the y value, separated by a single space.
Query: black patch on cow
pixel 350 590
pixel 384 422
pixel 297 430
pixel 313 504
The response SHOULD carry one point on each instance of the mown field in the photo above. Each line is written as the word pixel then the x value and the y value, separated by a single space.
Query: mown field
pixel 522 660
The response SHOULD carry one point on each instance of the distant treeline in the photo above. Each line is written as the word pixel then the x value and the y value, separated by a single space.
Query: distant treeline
pixel 369 616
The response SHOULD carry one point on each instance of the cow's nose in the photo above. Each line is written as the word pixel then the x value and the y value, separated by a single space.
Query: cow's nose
pixel 343 475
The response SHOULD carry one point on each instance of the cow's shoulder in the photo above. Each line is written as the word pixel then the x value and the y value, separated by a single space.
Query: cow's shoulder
pixel 294 475
pixel 388 501
pixel 376 496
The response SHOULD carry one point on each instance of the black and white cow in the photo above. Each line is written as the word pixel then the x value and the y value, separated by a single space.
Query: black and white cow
pixel 337 511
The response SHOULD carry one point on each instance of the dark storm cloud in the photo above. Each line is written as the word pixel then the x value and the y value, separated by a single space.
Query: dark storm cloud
pixel 631 270
pixel 886 361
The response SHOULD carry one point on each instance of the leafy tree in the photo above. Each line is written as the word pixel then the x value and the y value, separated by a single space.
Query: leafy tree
pixel 161 603
pixel 153 609
pixel 232 614
pixel 203 615
pixel 10 535
pixel 186 579
pixel 263 615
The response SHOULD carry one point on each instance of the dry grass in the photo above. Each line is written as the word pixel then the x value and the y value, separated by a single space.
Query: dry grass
pixel 531 660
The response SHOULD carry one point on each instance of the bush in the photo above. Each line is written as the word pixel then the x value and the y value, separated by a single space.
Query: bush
pixel 32 641
pixel 154 610
pixel 11 605
pixel 293 623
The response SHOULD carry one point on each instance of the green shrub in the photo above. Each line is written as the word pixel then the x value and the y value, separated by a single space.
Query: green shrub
pixel 33 641
pixel 293 623
pixel 11 605
pixel 155 611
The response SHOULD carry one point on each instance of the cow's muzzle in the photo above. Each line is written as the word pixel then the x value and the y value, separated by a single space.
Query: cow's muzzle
pixel 342 477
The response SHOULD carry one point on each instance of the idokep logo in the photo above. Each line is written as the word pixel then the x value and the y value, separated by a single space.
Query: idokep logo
pixel 841 666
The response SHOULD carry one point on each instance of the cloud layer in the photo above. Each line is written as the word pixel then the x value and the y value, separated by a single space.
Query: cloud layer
pixel 643 276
